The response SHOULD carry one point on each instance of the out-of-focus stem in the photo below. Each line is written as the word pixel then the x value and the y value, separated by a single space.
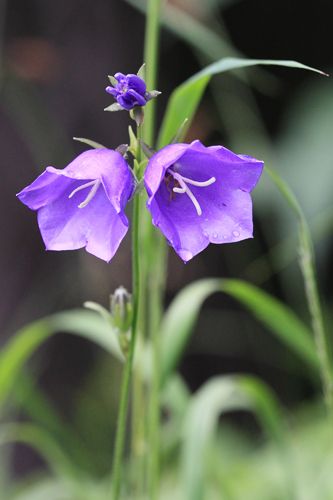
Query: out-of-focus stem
pixel 157 256
pixel 150 58
pixel 125 387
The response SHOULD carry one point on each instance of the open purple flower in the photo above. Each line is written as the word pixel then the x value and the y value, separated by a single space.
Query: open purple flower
pixel 83 204
pixel 200 195
pixel 129 91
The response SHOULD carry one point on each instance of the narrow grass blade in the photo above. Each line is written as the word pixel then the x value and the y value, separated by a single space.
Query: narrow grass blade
pixel 221 395
pixel 185 99
pixel 180 318
pixel 307 264
pixel 25 342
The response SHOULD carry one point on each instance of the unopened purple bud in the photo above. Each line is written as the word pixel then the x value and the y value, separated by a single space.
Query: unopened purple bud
pixel 129 91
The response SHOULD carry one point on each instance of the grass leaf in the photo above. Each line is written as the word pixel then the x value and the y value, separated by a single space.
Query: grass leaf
pixel 181 316
pixel 220 395
pixel 185 99
pixel 25 342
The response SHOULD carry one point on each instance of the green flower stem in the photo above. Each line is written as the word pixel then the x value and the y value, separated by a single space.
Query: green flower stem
pixel 156 253
pixel 150 58
pixel 125 387
pixel 157 285
pixel 138 391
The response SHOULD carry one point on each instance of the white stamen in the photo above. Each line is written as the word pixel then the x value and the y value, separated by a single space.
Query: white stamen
pixel 185 189
pixel 179 190
pixel 95 185
pixel 200 183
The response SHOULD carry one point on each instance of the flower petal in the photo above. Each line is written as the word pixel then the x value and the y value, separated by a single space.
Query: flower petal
pixel 136 83
pixel 125 101
pixel 159 163
pixel 120 77
pixel 137 99
pixel 45 189
pixel 112 91
pixel 235 171
pixel 98 227
pixel 107 165
pixel 225 204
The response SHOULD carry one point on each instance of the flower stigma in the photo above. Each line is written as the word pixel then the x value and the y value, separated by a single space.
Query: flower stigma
pixel 95 185
pixel 181 187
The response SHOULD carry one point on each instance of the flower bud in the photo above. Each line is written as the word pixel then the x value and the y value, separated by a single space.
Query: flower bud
pixel 129 91
pixel 121 309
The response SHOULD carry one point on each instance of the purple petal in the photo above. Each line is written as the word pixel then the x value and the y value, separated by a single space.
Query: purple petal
pixel 136 83
pixel 45 189
pixel 111 90
pixel 97 226
pixel 101 224
pixel 120 77
pixel 159 163
pixel 137 98
pixel 226 204
pixel 125 102
pixel 234 171
pixel 108 166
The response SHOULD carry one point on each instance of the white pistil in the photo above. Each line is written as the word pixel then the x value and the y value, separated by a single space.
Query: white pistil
pixel 185 189
pixel 95 185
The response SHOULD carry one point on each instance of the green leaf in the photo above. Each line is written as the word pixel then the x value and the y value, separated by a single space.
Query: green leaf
pixel 185 99
pixel 180 318
pixel 41 411
pixel 25 342
pixel 277 317
pixel 221 395
pixel 42 442
pixel 308 268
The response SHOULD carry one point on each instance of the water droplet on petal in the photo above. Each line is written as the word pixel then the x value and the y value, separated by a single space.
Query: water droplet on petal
pixel 206 235
pixel 235 234
pixel 215 236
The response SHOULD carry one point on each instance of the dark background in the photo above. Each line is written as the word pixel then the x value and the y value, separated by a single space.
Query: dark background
pixel 55 57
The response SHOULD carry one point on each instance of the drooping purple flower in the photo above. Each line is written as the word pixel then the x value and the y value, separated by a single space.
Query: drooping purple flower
pixel 199 195
pixel 83 204
pixel 129 91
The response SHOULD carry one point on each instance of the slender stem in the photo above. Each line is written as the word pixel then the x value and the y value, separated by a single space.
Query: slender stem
pixel 308 268
pixel 125 387
pixel 157 284
pixel 150 57
pixel 138 393
pixel 154 299
pixel 312 294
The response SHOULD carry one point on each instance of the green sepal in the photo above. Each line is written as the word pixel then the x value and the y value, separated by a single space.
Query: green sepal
pixel 142 71
pixel 137 114
pixel 147 150
pixel 91 143
pixel 153 94
pixel 114 107
pixel 122 149
pixel 133 142
pixel 113 81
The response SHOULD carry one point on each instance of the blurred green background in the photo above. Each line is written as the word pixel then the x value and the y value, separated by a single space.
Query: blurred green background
pixel 55 57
